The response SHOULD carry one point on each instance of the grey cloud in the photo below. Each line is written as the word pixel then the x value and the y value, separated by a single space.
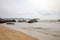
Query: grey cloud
pixel 44 13
pixel 26 8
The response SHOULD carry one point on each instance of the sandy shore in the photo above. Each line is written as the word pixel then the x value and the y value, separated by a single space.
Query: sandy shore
pixel 10 34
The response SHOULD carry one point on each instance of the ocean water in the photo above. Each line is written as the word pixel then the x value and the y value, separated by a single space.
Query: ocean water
pixel 54 26
pixel 40 30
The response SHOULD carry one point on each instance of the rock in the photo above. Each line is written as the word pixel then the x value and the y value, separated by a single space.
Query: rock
pixel 6 20
pixel 13 20
pixel 22 21
pixel 10 20
pixel 10 23
pixel 2 20
pixel 58 20
pixel 32 21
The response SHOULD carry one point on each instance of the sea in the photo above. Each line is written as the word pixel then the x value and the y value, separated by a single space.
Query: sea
pixel 42 30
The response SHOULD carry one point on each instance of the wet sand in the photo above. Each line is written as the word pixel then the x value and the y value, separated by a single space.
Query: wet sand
pixel 10 34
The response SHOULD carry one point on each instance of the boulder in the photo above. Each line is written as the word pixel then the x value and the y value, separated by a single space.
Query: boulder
pixel 2 20
pixel 6 20
pixel 32 21
pixel 10 23
pixel 21 20
pixel 10 20
pixel 58 20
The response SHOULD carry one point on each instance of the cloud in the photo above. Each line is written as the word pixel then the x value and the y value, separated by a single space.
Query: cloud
pixel 43 9
pixel 44 13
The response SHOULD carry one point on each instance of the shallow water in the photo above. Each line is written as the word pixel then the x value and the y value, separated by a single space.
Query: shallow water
pixel 54 26
pixel 47 26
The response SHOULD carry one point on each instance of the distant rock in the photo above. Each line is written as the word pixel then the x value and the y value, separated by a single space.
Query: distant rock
pixel 32 21
pixel 6 20
pixel 21 20
pixel 10 20
pixel 58 20
pixel 2 20
pixel 10 23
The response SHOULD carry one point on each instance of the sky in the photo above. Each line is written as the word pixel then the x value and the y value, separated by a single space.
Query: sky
pixel 43 9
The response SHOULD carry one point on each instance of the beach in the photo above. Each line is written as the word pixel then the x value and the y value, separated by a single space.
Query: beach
pixel 10 34
pixel 39 30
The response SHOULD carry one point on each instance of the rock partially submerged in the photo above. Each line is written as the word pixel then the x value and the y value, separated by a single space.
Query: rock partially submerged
pixel 2 20
pixel 10 20
pixel 58 20
pixel 32 21
pixel 10 23
pixel 6 20
pixel 21 20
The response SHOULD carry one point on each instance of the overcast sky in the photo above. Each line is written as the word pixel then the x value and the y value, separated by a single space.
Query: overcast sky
pixel 43 9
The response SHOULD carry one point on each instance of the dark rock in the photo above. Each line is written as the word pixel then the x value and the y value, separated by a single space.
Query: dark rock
pixel 58 20
pixel 2 20
pixel 32 21
pixel 13 20
pixel 6 20
pixel 22 21
pixel 10 23
pixel 10 20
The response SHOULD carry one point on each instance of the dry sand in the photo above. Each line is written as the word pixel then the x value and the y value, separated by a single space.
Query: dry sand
pixel 10 34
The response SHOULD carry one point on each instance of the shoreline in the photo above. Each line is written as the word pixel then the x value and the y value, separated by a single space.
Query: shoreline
pixel 11 34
